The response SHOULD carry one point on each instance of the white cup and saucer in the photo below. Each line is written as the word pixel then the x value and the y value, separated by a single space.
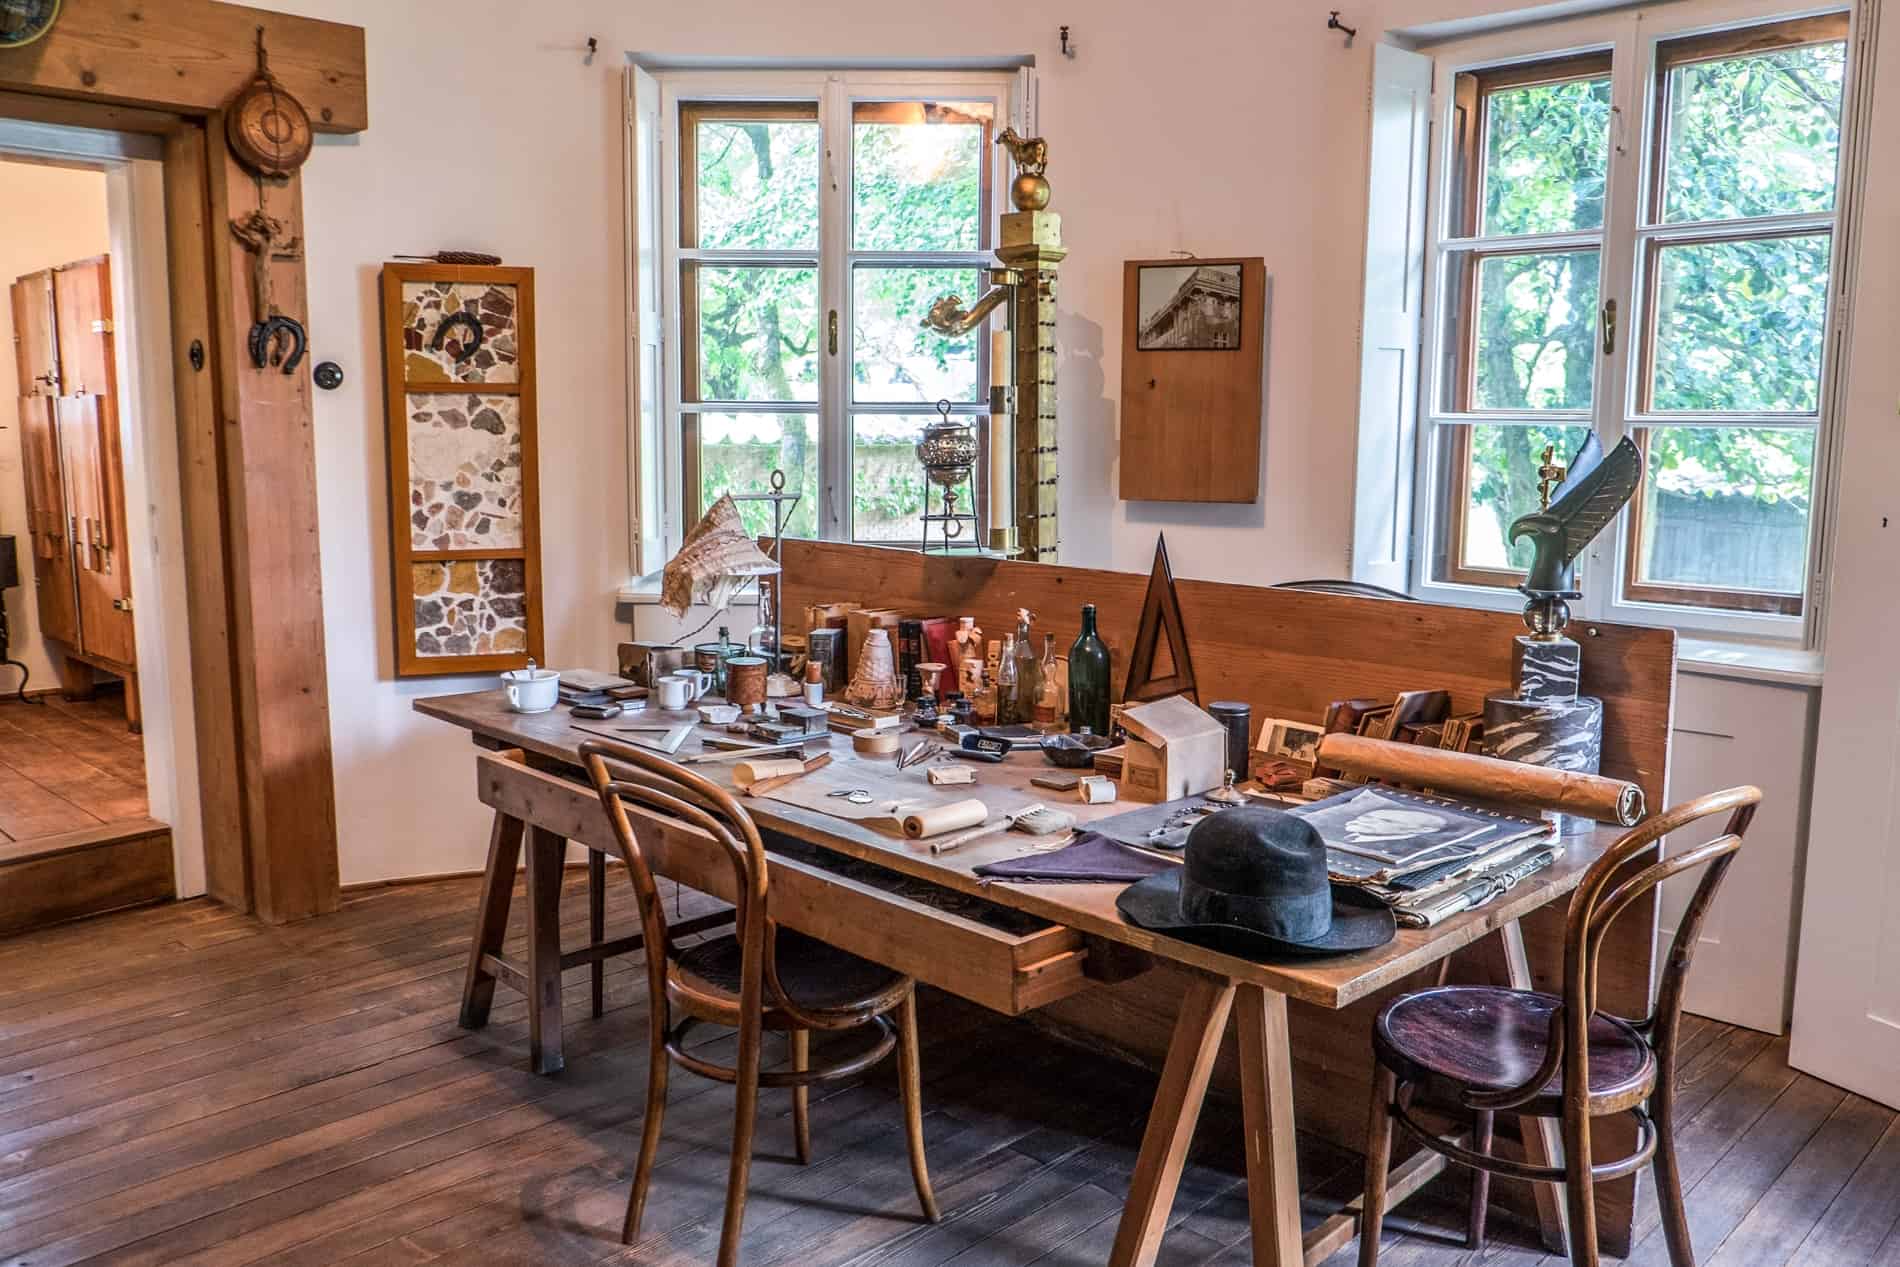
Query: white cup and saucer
pixel 532 689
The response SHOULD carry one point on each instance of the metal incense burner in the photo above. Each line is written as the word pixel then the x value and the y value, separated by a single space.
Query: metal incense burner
pixel 948 454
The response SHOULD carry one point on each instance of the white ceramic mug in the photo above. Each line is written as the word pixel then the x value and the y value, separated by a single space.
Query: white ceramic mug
pixel 676 692
pixel 532 690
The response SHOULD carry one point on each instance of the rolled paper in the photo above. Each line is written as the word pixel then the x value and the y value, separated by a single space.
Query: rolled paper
pixel 938 819
pixel 746 773
pixel 1486 778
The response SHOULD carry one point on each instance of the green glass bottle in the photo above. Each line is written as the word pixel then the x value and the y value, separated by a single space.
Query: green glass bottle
pixel 1088 678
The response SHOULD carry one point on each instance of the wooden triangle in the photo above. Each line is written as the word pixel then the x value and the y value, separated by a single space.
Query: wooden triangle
pixel 1160 613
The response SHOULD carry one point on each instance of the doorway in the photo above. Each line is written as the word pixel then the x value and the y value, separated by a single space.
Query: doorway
pixel 99 802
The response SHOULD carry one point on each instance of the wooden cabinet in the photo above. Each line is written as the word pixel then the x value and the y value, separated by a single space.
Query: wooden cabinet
pixel 75 488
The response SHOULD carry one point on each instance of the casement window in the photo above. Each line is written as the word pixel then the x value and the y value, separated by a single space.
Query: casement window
pixel 1633 224
pixel 809 222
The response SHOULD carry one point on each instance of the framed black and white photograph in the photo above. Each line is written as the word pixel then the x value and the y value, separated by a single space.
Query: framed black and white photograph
pixel 1290 740
pixel 1188 307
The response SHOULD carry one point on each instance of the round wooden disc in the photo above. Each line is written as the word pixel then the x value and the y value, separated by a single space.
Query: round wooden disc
pixel 268 130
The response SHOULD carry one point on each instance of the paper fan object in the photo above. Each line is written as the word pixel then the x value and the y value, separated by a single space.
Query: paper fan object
pixel 716 558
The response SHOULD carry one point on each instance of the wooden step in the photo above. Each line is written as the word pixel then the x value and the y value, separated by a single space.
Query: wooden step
pixel 103 868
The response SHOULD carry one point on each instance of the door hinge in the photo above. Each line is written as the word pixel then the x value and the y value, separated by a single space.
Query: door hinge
pixel 122 604
pixel 102 326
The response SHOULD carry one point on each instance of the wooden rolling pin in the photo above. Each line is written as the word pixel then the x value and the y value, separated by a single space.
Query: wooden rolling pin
pixel 1485 778
pixel 761 777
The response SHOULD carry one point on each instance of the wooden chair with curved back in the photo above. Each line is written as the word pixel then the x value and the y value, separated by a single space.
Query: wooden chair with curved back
pixel 754 979
pixel 1540 1055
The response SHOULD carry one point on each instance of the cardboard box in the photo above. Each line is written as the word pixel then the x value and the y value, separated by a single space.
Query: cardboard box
pixel 827 615
pixel 1173 750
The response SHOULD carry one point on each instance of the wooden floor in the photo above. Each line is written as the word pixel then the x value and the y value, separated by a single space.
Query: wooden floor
pixel 66 766
pixel 181 1084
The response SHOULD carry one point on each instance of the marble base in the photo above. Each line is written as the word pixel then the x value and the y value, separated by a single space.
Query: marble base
pixel 1547 669
pixel 1560 734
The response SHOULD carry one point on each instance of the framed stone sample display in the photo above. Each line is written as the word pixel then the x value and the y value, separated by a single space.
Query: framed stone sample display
pixel 458 351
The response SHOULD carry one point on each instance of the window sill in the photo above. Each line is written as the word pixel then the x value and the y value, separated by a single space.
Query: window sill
pixel 641 591
pixel 1749 661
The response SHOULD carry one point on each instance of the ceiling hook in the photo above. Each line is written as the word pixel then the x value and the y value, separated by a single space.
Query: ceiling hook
pixel 1068 49
pixel 1334 24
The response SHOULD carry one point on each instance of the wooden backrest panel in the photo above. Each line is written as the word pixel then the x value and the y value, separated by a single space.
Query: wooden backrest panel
pixel 1287 653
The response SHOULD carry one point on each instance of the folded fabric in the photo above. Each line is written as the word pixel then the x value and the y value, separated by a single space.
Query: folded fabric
pixel 1092 859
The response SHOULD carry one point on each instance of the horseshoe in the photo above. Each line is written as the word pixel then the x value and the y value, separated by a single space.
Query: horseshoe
pixel 449 322
pixel 264 339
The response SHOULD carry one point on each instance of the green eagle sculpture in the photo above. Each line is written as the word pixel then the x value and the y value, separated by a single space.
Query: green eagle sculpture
pixel 1595 488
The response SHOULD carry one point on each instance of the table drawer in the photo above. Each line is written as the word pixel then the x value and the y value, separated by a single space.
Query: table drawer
pixel 1009 970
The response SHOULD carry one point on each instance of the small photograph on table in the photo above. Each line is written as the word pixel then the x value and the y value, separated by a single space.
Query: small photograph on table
pixel 1187 308
pixel 1283 740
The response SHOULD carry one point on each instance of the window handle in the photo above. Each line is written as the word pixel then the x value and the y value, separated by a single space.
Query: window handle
pixel 1609 326
pixel 831 325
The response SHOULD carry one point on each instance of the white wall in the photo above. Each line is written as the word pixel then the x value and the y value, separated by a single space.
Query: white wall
pixel 48 216
pixel 1223 127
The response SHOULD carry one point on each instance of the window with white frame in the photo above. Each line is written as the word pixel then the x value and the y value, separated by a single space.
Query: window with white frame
pixel 812 220
pixel 1638 236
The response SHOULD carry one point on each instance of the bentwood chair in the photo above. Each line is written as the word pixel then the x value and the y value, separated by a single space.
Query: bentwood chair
pixel 759 978
pixel 1540 1055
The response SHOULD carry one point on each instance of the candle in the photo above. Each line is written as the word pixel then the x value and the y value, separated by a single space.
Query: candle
pixel 1002 474
pixel 999 358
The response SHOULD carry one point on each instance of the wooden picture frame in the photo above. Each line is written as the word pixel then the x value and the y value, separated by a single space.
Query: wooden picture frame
pixel 464 501
pixel 1192 395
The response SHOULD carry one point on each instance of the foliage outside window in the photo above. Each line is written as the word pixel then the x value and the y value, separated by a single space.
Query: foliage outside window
pixel 762 301
pixel 1716 367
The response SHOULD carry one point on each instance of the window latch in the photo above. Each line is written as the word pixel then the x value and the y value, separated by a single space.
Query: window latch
pixel 1609 326
pixel 831 326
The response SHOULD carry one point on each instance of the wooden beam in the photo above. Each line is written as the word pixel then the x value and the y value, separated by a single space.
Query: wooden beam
pixel 276 596
pixel 191 57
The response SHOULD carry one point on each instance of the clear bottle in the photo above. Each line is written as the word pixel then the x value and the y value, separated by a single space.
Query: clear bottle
pixel 1008 699
pixel 1047 707
pixel 1088 678
pixel 726 652
pixel 1028 669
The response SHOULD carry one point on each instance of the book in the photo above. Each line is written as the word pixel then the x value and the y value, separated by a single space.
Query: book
pixel 1375 835
pixel 910 653
pixel 938 650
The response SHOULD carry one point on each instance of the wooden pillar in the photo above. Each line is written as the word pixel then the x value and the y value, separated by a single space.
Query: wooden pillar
pixel 1032 245
pixel 270 477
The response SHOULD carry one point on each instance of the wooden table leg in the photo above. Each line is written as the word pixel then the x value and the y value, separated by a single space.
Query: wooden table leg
pixel 1543 1136
pixel 491 919
pixel 1266 1091
pixel 1177 1107
pixel 597 924
pixel 547 854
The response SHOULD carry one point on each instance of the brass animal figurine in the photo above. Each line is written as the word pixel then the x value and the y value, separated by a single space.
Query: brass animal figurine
pixel 1030 190
pixel 1592 493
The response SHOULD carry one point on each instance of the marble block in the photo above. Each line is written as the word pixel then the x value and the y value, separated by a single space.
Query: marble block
pixel 1559 734
pixel 1548 670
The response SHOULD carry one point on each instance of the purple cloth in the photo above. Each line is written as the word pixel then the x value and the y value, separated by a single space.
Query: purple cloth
pixel 1092 859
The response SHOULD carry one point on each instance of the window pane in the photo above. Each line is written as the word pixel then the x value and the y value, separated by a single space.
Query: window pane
pixel 919 175
pixel 887 483
pixel 757 184
pixel 739 452
pixel 1727 507
pixel 1739 325
pixel 1489 478
pixel 757 329
pixel 1546 148
pixel 1755 135
pixel 1536 337
pixel 894 357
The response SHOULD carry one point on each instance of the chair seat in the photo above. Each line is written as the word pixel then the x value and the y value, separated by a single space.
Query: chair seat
pixel 818 977
pixel 1491 1039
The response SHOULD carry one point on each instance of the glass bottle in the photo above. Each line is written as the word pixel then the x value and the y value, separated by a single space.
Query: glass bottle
pixel 1028 671
pixel 725 654
pixel 1088 678
pixel 1007 683
pixel 1047 707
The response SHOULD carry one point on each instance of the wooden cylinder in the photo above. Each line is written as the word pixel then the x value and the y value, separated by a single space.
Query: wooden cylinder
pixel 1486 778
pixel 745 681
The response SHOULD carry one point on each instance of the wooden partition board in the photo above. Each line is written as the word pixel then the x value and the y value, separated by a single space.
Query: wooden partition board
pixel 1289 653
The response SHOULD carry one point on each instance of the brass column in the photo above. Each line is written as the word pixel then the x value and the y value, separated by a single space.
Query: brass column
pixel 1032 247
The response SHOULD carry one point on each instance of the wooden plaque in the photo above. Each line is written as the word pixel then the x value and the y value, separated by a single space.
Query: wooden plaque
pixel 1192 347
pixel 465 531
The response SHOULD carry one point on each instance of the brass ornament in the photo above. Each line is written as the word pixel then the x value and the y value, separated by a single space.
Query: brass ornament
pixel 267 128
pixel 1030 190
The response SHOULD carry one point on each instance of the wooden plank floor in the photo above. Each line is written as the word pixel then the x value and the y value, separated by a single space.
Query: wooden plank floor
pixel 182 1084
pixel 67 765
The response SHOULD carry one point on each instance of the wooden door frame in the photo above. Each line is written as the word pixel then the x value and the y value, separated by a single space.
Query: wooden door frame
pixel 246 453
